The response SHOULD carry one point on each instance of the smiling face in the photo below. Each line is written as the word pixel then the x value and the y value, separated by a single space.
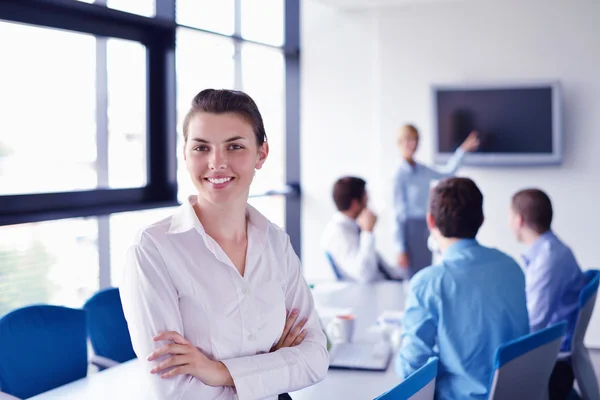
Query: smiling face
pixel 221 154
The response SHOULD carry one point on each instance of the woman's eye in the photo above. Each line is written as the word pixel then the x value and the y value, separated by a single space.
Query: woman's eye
pixel 235 147
pixel 201 148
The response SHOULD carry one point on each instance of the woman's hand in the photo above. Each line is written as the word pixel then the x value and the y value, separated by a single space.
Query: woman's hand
pixel 187 359
pixel 403 260
pixel 291 337
pixel 471 143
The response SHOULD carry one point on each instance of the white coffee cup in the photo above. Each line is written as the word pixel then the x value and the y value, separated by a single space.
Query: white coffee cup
pixel 341 328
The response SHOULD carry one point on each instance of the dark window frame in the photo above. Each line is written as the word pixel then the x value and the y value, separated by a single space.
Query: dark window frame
pixel 158 35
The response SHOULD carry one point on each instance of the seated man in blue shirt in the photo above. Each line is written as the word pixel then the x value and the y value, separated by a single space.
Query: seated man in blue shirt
pixel 462 309
pixel 553 277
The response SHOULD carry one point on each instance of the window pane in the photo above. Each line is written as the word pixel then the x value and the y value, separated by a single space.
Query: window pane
pixel 263 78
pixel 48 127
pixel 146 8
pixel 272 207
pixel 203 61
pixel 126 74
pixel 211 15
pixel 123 230
pixel 48 262
pixel 263 20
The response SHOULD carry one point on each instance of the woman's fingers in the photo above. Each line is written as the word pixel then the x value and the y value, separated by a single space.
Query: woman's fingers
pixel 168 349
pixel 294 334
pixel 182 370
pixel 173 361
pixel 171 335
pixel 299 338
pixel 289 323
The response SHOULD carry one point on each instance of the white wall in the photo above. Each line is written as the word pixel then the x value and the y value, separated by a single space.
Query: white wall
pixel 339 104
pixel 367 72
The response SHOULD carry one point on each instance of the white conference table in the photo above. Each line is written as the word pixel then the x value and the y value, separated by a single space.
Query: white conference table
pixel 366 303
pixel 130 380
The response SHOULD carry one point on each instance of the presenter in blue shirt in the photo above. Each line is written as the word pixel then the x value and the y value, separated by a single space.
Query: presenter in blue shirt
pixel 462 309
pixel 412 183
pixel 553 277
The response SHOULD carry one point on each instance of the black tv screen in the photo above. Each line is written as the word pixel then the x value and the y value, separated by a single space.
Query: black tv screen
pixel 517 125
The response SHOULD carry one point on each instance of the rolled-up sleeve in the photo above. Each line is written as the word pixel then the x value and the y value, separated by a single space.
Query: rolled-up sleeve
pixel 290 368
pixel 150 305
pixel 450 168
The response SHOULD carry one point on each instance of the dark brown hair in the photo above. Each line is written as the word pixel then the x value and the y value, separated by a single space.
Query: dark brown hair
pixel 456 205
pixel 535 207
pixel 227 101
pixel 347 189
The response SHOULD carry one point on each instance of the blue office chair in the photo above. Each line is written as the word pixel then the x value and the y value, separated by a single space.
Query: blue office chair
pixel 583 368
pixel 418 386
pixel 41 347
pixel 108 329
pixel 334 267
pixel 523 366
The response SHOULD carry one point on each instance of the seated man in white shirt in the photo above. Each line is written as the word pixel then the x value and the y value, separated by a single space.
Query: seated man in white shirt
pixel 348 239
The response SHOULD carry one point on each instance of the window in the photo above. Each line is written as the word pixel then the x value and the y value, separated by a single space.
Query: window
pixel 79 120
pixel 126 89
pixel 146 8
pixel 272 207
pixel 263 21
pixel 53 262
pixel 48 139
pixel 211 15
pixel 263 78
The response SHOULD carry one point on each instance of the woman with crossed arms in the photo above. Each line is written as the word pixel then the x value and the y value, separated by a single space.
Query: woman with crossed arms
pixel 213 295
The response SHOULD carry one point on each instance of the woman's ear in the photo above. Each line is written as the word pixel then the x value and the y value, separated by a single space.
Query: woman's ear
pixel 263 152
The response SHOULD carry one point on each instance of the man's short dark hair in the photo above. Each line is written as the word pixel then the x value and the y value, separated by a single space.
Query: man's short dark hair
pixel 347 189
pixel 535 207
pixel 456 205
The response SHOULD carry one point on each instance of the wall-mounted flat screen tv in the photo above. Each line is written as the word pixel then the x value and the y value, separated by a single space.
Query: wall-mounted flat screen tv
pixel 518 124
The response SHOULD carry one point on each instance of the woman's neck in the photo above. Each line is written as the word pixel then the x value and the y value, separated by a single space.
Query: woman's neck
pixel 410 160
pixel 222 221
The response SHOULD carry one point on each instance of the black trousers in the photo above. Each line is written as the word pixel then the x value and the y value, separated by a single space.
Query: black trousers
pixel 284 396
pixel 561 380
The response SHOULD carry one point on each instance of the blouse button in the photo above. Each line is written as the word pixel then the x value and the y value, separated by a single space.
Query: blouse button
pixel 245 291
pixel 251 337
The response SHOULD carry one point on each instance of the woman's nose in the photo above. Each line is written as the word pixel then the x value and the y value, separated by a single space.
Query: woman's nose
pixel 218 160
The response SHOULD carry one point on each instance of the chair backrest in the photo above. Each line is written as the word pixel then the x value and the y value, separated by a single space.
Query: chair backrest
pixel 583 367
pixel 107 326
pixel 587 301
pixel 41 347
pixel 334 267
pixel 523 366
pixel 418 386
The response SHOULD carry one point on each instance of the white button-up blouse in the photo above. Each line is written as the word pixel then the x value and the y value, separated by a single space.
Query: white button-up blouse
pixel 178 278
